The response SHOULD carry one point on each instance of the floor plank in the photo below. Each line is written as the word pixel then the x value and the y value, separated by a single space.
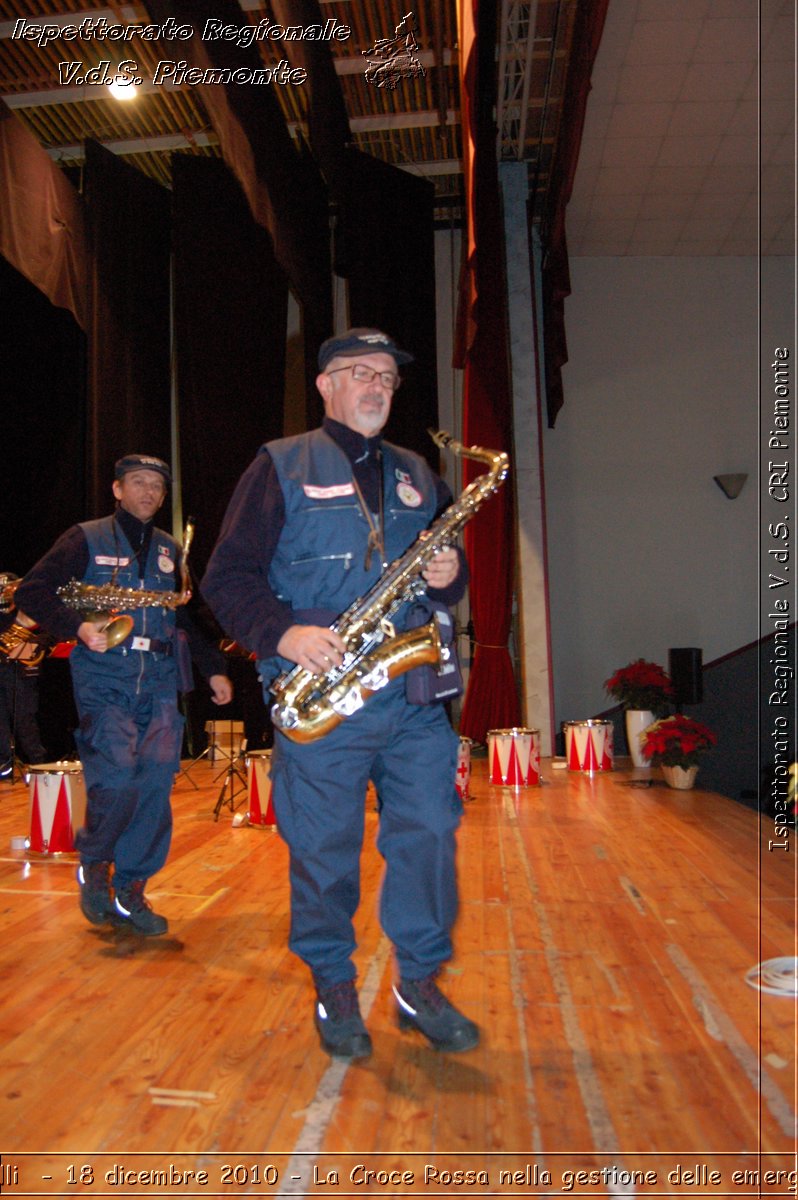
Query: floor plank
pixel 602 945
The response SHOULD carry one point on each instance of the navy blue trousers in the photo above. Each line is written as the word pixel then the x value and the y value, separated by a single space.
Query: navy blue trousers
pixel 19 702
pixel 129 745
pixel 318 791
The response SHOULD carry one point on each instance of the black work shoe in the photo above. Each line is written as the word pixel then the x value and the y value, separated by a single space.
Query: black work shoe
pixel 135 910
pixel 422 1005
pixel 338 1020
pixel 95 892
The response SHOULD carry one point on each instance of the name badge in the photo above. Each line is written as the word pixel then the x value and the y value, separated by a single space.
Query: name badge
pixel 329 493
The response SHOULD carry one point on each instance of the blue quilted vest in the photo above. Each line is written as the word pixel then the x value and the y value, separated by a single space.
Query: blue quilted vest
pixel 319 563
pixel 112 559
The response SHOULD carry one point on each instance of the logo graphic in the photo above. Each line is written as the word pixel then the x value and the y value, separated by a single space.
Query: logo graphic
pixel 392 59
pixel 408 495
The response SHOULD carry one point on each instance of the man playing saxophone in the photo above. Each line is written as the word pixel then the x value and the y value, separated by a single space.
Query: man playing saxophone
pixel 125 680
pixel 312 526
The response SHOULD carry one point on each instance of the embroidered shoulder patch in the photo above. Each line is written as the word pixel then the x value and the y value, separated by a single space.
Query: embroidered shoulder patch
pixel 408 495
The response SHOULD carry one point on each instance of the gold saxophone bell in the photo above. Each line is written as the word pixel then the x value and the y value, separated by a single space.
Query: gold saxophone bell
pixel 116 629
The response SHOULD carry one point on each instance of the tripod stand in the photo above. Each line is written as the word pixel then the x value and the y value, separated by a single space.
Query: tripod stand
pixel 206 753
pixel 232 777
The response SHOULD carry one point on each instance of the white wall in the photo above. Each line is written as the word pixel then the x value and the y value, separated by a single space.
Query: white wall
pixel 645 551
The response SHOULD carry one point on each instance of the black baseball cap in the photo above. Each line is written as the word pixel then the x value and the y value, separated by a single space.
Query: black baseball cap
pixel 142 462
pixel 361 341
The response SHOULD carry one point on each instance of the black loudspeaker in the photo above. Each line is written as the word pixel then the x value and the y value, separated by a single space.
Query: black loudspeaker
pixel 684 668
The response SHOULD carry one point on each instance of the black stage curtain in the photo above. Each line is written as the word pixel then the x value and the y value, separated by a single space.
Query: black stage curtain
pixel 42 378
pixel 230 309
pixel 321 96
pixel 385 247
pixel 128 331
pixel 556 280
pixel 283 186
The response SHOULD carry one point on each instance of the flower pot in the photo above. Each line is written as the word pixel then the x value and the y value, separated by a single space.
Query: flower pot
pixel 637 719
pixel 682 778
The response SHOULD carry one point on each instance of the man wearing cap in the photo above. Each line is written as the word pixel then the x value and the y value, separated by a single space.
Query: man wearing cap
pixel 130 730
pixel 314 521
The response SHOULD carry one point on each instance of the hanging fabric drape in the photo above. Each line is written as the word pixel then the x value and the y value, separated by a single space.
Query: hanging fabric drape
pixel 43 360
pixel 128 409
pixel 283 186
pixel 491 700
pixel 230 304
pixel 385 248
pixel 42 230
pixel 383 242
pixel 556 280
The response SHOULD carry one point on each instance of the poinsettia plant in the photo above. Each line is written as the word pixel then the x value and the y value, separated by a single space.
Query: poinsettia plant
pixel 677 741
pixel 642 685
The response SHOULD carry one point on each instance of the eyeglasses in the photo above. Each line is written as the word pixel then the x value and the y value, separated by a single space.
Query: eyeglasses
pixel 363 374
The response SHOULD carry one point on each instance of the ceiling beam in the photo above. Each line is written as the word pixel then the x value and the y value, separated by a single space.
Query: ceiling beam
pixel 111 15
pixel 166 142
pixel 44 97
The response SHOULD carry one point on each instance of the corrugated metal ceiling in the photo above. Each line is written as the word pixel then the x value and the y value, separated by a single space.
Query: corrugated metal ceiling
pixel 414 125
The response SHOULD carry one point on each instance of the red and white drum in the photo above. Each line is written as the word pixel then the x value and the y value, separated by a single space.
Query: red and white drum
pixel 57 806
pixel 514 757
pixel 588 745
pixel 463 776
pixel 259 788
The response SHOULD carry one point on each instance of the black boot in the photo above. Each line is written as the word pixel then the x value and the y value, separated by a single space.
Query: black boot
pixel 338 1020
pixel 132 908
pixel 96 904
pixel 422 1005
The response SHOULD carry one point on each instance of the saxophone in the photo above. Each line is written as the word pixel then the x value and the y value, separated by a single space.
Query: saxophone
pixel 23 640
pixel 94 601
pixel 307 706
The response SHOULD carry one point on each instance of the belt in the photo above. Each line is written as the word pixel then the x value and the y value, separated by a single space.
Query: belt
pixel 152 645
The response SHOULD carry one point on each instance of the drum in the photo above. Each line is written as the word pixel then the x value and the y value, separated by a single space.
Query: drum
pixel 463 776
pixel 514 757
pixel 57 806
pixel 588 745
pixel 259 788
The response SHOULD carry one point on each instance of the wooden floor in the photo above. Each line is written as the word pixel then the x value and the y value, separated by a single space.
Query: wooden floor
pixel 603 942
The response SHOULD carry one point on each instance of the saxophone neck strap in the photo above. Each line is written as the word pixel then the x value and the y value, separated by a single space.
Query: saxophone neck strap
pixel 376 538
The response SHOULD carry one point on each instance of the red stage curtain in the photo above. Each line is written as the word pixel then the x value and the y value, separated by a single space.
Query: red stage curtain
pixel 41 219
pixel 491 700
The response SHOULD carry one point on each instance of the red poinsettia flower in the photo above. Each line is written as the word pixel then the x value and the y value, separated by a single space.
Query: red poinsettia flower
pixel 643 685
pixel 677 741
